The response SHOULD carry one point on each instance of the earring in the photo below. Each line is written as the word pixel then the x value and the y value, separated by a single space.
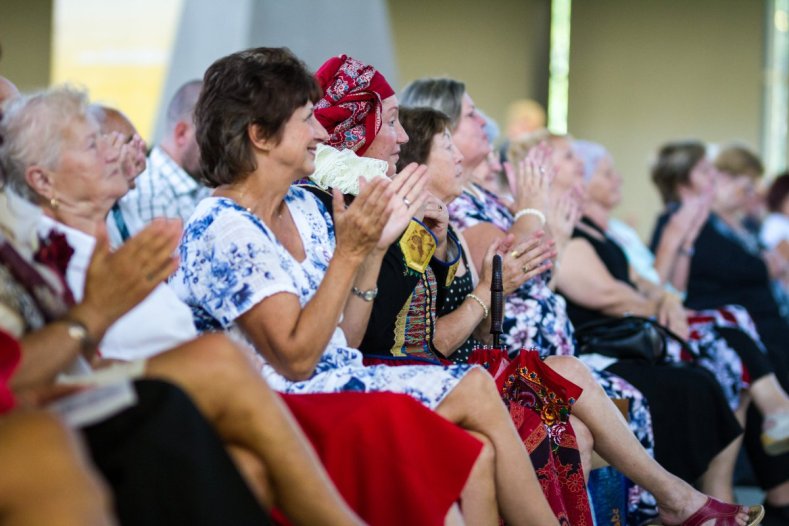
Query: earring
pixel 54 203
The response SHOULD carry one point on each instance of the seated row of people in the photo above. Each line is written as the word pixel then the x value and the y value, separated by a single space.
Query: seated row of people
pixel 298 278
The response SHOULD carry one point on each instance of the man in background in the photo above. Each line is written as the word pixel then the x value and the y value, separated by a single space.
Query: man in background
pixel 169 187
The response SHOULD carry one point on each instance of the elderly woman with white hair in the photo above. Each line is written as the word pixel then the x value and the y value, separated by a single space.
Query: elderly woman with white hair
pixel 722 337
pixel 75 180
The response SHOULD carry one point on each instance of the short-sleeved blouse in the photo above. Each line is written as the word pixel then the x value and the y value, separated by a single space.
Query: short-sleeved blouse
pixel 230 261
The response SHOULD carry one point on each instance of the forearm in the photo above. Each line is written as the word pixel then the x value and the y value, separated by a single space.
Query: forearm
pixel 453 329
pixel 51 350
pixel 357 311
pixel 621 300
pixel 667 256
pixel 525 226
pixel 681 272
pixel 296 352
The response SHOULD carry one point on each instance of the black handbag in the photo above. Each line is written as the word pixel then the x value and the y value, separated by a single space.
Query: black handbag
pixel 630 338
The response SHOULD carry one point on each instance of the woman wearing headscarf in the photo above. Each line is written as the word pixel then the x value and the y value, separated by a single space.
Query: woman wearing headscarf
pixel 262 259
pixel 427 296
pixel 76 189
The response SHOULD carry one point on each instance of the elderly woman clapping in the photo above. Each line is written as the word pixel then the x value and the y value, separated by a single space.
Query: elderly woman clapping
pixel 75 180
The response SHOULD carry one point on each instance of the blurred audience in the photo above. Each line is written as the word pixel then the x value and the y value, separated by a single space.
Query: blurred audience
pixel 169 187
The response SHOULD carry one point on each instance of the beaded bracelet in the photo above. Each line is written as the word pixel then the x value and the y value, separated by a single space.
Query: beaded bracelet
pixel 530 212
pixel 481 304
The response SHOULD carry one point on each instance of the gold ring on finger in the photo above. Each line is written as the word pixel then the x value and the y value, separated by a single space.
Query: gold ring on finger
pixel 515 253
pixel 526 269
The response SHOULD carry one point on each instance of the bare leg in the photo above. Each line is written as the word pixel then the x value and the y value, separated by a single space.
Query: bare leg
pixel 585 444
pixel 615 442
pixel 45 477
pixel 247 413
pixel 475 405
pixel 478 499
pixel 768 395
pixel 718 480
pixel 254 473
pixel 779 495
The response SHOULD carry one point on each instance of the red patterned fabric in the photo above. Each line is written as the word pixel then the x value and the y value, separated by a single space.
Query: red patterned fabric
pixel 380 451
pixel 9 359
pixel 350 109
pixel 540 401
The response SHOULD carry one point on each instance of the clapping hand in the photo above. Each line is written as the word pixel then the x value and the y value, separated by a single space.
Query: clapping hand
pixel 408 197
pixel 131 153
pixel 360 226
pixel 117 281
pixel 532 178
pixel 520 262
pixel 564 213
pixel 436 217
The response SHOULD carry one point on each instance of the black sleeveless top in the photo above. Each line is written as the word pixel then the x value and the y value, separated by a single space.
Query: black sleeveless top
pixel 615 261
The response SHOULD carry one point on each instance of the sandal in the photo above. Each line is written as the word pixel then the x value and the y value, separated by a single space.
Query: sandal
pixel 723 513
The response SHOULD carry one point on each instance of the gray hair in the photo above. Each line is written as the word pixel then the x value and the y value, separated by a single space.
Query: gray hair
pixel 182 105
pixel 32 129
pixel 442 94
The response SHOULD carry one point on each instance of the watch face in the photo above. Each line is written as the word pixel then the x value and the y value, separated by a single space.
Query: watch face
pixel 366 295
pixel 77 332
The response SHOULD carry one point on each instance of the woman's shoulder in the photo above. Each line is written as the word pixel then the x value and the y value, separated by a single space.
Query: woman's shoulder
pixel 472 207
pixel 219 218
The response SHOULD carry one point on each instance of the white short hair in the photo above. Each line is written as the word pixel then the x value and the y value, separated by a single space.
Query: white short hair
pixel 32 128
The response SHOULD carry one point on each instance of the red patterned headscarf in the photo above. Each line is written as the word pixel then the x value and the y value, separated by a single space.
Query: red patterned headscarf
pixel 350 108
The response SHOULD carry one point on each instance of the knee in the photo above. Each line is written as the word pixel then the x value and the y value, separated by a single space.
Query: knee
pixel 480 385
pixel 571 368
pixel 215 352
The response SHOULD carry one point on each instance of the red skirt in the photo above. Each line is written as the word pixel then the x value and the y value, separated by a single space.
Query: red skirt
pixel 539 401
pixel 393 460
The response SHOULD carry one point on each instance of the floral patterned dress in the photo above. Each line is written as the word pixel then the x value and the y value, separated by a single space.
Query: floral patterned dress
pixel 231 261
pixel 536 318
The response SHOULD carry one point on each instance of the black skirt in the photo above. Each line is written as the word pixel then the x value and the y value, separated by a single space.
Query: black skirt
pixel 691 419
pixel 165 465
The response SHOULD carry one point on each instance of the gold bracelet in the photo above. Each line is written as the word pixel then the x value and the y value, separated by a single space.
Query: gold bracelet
pixel 481 304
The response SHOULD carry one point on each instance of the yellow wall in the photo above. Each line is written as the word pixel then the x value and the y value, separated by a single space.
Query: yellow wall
pixel 499 49
pixel 26 36
pixel 644 72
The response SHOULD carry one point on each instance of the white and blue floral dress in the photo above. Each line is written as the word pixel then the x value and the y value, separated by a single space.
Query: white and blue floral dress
pixel 231 261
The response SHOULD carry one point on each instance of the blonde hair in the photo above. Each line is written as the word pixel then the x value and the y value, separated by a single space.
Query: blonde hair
pixel 739 160
pixel 521 145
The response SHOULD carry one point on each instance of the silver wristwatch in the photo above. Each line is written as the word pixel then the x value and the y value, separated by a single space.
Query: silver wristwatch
pixel 366 295
pixel 78 331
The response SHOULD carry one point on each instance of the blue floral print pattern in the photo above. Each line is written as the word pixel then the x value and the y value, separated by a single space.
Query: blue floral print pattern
pixel 230 261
